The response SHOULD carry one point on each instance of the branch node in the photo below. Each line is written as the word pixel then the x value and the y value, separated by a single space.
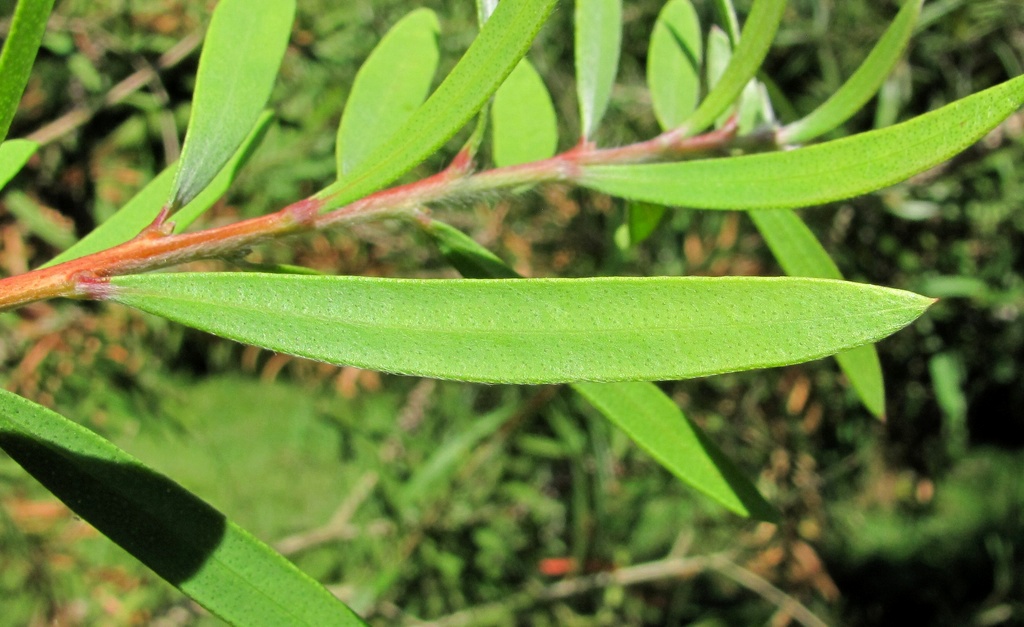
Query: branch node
pixel 92 286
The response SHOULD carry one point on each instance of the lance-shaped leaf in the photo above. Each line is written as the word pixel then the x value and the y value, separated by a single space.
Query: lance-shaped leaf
pixel 640 409
pixel 674 61
pixel 800 253
pixel 14 155
pixel 531 330
pixel 502 42
pixel 642 219
pixel 598 40
pixel 143 208
pixel 23 38
pixel 852 96
pixel 169 529
pixel 524 126
pixel 758 33
pixel 727 13
pixel 241 55
pixel 391 84
pixel 817 174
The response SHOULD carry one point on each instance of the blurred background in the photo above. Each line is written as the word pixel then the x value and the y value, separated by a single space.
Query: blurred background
pixel 436 501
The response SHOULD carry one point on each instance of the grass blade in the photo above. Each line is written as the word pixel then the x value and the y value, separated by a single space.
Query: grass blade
pixel 852 96
pixel 597 43
pixel 817 174
pixel 391 84
pixel 241 55
pixel 26 33
pixel 524 126
pixel 800 253
pixel 169 529
pixel 531 330
pixel 502 42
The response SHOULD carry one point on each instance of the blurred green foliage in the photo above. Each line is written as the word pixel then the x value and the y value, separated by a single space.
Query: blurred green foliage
pixel 438 497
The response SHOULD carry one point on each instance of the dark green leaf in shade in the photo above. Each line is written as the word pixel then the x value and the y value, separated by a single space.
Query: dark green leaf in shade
pixel 143 208
pixel 502 42
pixel 524 126
pixel 20 47
pixel 531 330
pixel 14 154
pixel 758 33
pixel 643 218
pixel 598 41
pixel 241 54
pixel 674 61
pixel 816 174
pixel 472 260
pixel 852 96
pixel 169 529
pixel 655 423
pixel 391 84
pixel 801 254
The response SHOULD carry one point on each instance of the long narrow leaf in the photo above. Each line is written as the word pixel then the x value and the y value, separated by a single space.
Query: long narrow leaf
pixel 640 409
pixel 862 85
pixel 598 40
pixel 524 126
pixel 14 155
pixel 531 330
pixel 800 253
pixel 674 61
pixel 169 529
pixel 817 174
pixel 502 42
pixel 758 33
pixel 143 208
pixel 20 48
pixel 241 55
pixel 391 84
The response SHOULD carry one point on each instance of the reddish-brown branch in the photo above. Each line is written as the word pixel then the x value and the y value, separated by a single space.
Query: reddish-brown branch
pixel 155 248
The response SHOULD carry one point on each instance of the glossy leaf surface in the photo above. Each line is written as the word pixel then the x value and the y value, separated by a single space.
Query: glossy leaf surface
pixel 654 422
pixel 524 126
pixel 640 409
pixel 502 42
pixel 14 154
pixel 391 84
pixel 598 39
pixel 800 253
pixel 170 530
pixel 852 96
pixel 817 174
pixel 20 47
pixel 674 61
pixel 241 54
pixel 531 330
pixel 747 57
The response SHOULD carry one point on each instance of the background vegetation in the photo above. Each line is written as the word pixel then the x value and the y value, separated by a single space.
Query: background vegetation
pixel 471 504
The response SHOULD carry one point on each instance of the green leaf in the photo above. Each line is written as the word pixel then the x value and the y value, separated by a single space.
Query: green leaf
pixel 817 174
pixel 531 330
pixel 801 254
pixel 524 126
pixel 654 422
pixel 502 42
pixel 641 410
pixel 758 33
pixel 727 13
pixel 643 218
pixel 143 208
pixel 241 55
pixel 472 260
pixel 674 61
pixel 169 529
pixel 391 84
pixel 852 96
pixel 26 33
pixel 598 41
pixel 14 154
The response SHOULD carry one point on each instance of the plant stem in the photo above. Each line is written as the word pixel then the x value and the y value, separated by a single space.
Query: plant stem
pixel 156 247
